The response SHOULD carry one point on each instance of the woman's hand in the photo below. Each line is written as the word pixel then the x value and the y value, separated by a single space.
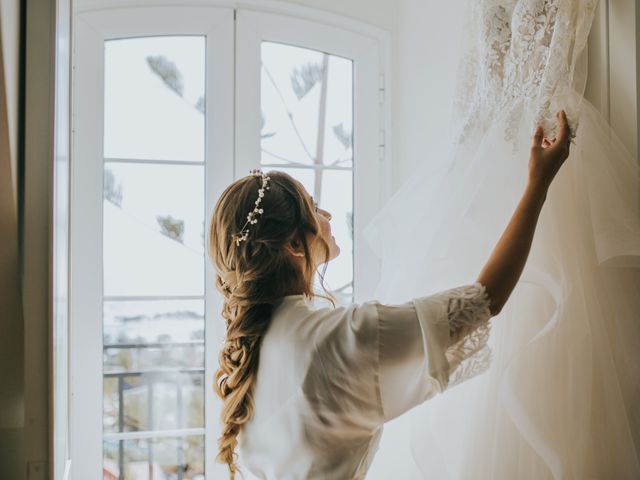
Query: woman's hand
pixel 547 156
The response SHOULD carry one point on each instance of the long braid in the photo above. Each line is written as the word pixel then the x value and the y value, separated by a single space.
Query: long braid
pixel 235 378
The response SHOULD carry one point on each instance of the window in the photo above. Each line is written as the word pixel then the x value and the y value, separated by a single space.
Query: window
pixel 170 105
pixel 281 64
pixel 306 97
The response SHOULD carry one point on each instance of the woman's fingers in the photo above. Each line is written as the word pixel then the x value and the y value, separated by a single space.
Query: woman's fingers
pixel 564 126
pixel 537 137
pixel 539 140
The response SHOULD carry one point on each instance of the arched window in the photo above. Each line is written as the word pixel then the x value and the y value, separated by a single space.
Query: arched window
pixel 170 104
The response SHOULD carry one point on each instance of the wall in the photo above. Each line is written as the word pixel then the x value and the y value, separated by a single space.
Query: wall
pixel 613 65
pixel 623 88
pixel 424 69
pixel 11 328
pixel 379 13
pixel 37 233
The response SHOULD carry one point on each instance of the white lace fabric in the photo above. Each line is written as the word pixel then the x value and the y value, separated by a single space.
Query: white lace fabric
pixel 469 328
pixel 455 327
pixel 523 56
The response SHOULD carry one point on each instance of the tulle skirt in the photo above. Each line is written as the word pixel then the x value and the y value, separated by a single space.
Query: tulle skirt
pixel 561 399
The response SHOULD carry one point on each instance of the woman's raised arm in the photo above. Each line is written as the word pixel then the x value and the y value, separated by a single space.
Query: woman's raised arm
pixel 502 271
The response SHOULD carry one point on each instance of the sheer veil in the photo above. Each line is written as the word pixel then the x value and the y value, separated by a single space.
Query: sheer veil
pixel 561 397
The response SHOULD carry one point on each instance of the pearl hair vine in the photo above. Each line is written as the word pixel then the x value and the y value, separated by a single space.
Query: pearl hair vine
pixel 251 217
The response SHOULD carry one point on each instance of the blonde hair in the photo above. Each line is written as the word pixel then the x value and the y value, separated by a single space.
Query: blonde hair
pixel 253 276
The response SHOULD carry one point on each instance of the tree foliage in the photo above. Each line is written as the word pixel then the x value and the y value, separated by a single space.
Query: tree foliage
pixel 200 105
pixel 167 71
pixel 304 78
pixel 263 122
pixel 112 189
pixel 345 137
pixel 171 227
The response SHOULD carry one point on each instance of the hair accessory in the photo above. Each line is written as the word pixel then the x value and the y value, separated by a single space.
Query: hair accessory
pixel 251 218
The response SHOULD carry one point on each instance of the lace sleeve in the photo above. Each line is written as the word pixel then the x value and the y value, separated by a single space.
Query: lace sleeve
pixel 429 344
pixel 468 313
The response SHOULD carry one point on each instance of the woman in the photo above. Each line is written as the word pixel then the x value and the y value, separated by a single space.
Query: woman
pixel 307 390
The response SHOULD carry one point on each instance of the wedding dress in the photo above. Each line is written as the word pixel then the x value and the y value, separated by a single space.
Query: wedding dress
pixel 561 396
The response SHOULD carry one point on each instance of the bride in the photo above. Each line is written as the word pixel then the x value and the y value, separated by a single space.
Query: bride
pixel 561 399
pixel 307 390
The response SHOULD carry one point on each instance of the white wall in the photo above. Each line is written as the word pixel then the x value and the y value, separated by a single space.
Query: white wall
pixel 623 88
pixel 379 13
pixel 427 39
pixel 613 41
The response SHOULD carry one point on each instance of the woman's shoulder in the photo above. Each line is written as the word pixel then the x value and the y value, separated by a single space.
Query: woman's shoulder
pixel 313 321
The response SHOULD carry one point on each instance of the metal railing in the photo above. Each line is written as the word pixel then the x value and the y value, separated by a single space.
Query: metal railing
pixel 149 376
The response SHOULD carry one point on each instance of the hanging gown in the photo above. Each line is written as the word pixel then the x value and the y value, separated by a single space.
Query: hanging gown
pixel 561 399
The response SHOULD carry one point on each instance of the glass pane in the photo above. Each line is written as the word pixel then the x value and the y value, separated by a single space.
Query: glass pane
pixel 153 229
pixel 337 199
pixel 153 236
pixel 333 190
pixel 110 405
pixel 155 459
pixel 149 322
pixel 153 401
pixel 153 365
pixel 154 98
pixel 307 107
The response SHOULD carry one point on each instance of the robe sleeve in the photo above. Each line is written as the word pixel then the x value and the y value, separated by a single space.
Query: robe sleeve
pixel 372 362
pixel 430 344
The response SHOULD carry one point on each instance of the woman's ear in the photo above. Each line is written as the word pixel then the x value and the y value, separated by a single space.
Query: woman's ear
pixel 293 248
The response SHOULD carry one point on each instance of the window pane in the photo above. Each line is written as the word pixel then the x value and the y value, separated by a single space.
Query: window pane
pixel 307 107
pixel 155 459
pixel 153 401
pixel 154 98
pixel 153 229
pixel 149 322
pixel 153 381
pixel 153 365
pixel 333 190
pixel 337 199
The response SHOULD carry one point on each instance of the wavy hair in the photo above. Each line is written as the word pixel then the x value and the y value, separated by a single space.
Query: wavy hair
pixel 253 276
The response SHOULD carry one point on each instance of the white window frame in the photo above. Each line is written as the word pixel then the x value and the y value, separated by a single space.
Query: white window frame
pixel 92 29
pixel 370 157
pixel 232 148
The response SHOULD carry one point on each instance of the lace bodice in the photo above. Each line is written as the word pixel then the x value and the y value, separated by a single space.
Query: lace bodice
pixel 524 57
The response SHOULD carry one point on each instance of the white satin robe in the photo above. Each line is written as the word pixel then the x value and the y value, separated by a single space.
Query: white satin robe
pixel 328 379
